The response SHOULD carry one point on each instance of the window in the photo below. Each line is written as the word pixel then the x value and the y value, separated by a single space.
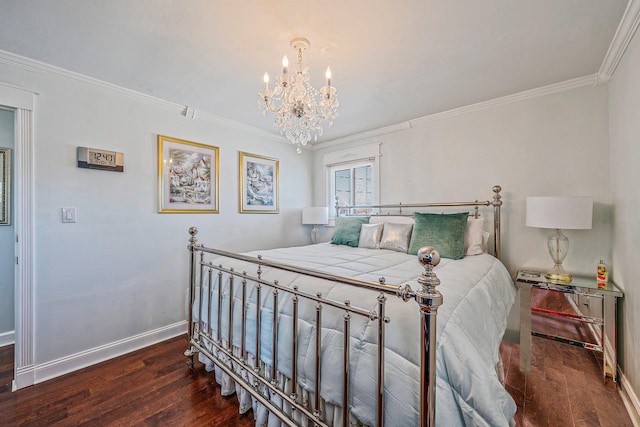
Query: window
pixel 352 182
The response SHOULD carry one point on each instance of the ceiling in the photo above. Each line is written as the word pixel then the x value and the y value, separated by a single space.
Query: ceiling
pixel 392 61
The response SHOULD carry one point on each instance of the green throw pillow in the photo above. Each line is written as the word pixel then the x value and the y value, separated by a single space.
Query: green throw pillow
pixel 445 232
pixel 347 231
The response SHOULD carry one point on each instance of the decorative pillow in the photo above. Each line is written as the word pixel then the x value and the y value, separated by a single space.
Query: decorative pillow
pixel 380 219
pixel 473 238
pixel 347 230
pixel 396 236
pixel 370 235
pixel 445 232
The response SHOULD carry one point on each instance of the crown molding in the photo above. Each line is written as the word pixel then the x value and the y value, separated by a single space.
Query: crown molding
pixel 516 97
pixel 37 67
pixel 212 118
pixel 362 135
pixel 624 33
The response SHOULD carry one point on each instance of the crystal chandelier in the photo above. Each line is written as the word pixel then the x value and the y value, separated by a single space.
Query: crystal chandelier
pixel 299 108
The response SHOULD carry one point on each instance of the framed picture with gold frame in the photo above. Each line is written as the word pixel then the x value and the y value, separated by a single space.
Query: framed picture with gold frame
pixel 188 176
pixel 5 186
pixel 259 183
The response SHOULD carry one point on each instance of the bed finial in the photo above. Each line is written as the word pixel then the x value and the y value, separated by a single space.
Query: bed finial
pixel 497 197
pixel 429 257
pixel 193 239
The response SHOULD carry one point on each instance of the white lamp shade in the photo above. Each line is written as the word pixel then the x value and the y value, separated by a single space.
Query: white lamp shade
pixel 561 212
pixel 317 215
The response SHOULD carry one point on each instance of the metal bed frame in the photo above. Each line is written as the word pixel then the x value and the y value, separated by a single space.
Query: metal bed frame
pixel 220 349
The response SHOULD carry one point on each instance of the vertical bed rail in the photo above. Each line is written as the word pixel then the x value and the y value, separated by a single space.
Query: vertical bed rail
pixel 380 392
pixel 497 204
pixel 346 354
pixel 429 300
pixel 274 329
pixel 318 373
pixel 192 248
pixel 230 331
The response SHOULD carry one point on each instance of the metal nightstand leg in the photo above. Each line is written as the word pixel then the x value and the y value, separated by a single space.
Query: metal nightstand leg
pixel 525 327
pixel 609 338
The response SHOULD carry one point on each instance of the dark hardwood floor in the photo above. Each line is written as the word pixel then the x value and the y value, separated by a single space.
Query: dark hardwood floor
pixel 6 367
pixel 153 386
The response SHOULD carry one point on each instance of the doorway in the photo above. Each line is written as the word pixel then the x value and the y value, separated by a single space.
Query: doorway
pixel 21 103
pixel 7 251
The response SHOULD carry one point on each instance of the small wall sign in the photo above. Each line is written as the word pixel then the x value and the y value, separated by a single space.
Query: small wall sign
pixel 93 158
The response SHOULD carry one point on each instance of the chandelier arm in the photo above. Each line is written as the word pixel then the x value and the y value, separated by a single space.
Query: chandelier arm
pixel 269 106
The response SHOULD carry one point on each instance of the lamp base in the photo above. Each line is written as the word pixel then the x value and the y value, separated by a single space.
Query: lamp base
pixel 559 278
pixel 558 275
pixel 558 245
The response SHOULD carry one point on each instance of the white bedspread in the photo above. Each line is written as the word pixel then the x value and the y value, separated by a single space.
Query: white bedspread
pixel 478 294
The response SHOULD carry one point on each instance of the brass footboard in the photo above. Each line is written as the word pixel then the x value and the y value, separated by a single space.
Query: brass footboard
pixel 206 334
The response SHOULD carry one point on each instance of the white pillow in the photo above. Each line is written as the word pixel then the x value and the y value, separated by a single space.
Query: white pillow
pixel 370 235
pixel 391 218
pixel 474 239
pixel 396 237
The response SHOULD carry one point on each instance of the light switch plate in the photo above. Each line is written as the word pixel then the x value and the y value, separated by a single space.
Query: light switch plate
pixel 68 214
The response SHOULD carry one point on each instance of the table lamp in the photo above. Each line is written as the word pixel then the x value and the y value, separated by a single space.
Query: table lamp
pixel 315 215
pixel 559 213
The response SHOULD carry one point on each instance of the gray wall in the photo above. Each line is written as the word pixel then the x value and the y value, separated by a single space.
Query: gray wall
pixel 624 107
pixel 7 262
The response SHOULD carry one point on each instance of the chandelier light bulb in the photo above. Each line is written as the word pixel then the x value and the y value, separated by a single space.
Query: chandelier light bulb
pixel 328 75
pixel 285 64
pixel 266 80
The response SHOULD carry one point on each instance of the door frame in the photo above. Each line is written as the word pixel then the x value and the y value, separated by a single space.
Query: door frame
pixel 22 102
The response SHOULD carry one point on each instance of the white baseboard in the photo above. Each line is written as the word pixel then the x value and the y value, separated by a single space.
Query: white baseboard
pixel 630 399
pixel 7 338
pixel 64 365
pixel 25 376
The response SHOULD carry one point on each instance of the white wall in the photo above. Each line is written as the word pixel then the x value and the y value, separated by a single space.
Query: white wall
pixel 7 261
pixel 121 270
pixel 624 108
pixel 549 145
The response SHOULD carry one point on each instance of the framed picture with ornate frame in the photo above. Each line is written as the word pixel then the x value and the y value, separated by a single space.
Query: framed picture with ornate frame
pixel 259 184
pixel 188 176
pixel 5 186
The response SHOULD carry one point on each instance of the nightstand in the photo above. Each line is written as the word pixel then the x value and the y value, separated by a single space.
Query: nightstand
pixel 601 316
